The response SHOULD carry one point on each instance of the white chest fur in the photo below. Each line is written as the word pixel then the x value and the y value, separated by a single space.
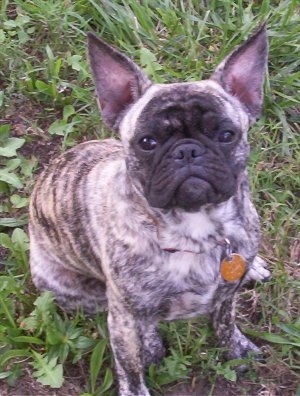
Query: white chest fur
pixel 193 243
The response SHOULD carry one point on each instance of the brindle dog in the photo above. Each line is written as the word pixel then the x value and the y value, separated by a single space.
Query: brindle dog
pixel 158 225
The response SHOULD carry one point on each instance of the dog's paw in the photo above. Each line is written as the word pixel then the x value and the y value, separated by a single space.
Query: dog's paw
pixel 132 390
pixel 258 271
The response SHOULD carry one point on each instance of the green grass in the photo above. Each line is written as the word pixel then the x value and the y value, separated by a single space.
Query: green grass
pixel 47 100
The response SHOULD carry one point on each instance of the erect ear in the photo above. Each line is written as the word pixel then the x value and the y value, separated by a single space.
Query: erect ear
pixel 241 73
pixel 119 82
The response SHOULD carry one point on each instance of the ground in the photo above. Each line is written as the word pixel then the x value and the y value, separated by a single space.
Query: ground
pixel 74 385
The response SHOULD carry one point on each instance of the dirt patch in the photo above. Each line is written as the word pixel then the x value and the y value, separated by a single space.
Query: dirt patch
pixel 29 121
pixel 26 385
pixel 76 379
pixel 203 387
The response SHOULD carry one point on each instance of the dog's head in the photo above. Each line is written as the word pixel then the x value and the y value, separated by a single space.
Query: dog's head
pixel 186 143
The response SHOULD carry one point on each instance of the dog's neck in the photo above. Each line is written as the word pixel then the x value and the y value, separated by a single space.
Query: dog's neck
pixel 176 229
pixel 185 231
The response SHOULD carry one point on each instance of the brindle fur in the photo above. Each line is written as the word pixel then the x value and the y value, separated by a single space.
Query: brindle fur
pixel 104 216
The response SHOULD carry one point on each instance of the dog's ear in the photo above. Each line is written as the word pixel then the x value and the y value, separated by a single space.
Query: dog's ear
pixel 119 82
pixel 241 73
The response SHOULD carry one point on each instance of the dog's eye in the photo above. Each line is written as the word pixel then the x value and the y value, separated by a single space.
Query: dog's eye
pixel 226 136
pixel 148 143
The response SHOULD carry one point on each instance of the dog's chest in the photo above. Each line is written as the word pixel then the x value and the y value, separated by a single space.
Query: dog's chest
pixel 195 280
pixel 192 246
pixel 192 264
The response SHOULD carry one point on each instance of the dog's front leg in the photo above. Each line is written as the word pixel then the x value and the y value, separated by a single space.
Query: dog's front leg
pixel 230 337
pixel 127 346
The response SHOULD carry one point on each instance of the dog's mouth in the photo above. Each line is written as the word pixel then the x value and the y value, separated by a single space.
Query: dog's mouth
pixel 190 187
pixel 188 193
pixel 193 192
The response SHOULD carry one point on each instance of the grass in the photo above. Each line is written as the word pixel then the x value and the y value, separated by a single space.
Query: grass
pixel 47 105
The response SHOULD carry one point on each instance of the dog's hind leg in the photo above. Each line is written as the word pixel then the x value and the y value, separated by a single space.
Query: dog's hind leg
pixel 71 289
pixel 258 271
pixel 153 348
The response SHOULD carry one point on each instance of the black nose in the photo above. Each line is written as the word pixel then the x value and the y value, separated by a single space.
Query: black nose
pixel 188 152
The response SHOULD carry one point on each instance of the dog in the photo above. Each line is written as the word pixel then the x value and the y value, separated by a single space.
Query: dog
pixel 158 225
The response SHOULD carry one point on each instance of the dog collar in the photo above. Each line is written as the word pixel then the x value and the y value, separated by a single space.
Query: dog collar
pixel 232 267
pixel 172 250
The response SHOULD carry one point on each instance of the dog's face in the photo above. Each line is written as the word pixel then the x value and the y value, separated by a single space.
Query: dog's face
pixel 186 143
pixel 184 146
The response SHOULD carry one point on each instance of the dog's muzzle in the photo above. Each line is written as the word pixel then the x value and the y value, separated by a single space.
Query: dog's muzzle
pixel 188 175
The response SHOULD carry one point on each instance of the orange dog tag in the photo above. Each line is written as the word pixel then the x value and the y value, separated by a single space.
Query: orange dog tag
pixel 232 270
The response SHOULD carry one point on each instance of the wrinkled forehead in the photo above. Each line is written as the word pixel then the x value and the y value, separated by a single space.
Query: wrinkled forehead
pixel 162 102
